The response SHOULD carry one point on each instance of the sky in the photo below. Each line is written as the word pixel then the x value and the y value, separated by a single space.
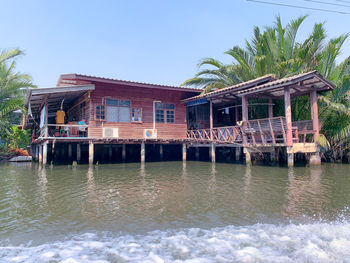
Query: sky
pixel 149 41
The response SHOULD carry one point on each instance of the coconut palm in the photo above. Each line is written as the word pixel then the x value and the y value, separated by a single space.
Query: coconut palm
pixel 12 87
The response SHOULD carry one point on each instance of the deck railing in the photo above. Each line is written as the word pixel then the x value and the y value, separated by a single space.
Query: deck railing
pixel 269 131
pixel 64 130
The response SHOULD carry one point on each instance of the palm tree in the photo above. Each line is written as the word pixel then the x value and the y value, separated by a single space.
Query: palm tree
pixel 12 88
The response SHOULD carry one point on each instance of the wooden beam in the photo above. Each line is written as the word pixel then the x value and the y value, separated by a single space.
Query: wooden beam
pixel 244 108
pixel 211 119
pixel 314 114
pixel 270 108
pixel 288 115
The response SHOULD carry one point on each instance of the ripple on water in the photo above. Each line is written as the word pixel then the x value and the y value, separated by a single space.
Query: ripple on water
pixel 319 242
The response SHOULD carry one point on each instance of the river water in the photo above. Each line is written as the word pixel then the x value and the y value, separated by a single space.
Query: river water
pixel 174 212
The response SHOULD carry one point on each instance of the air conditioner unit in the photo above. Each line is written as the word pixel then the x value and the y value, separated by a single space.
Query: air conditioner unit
pixel 149 134
pixel 110 132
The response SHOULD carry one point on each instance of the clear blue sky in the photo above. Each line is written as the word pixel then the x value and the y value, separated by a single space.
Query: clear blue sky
pixel 150 41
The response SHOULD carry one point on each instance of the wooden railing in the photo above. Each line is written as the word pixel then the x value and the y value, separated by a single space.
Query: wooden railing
pixel 305 130
pixel 269 131
pixel 64 130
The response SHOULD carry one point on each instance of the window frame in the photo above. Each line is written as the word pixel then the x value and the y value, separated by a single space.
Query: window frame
pixel 165 107
pixel 104 110
pixel 104 102
pixel 141 114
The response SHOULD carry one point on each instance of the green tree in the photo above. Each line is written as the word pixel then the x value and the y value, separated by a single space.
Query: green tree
pixel 13 86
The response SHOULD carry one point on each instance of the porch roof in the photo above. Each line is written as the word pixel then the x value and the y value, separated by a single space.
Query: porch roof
pixel 269 87
pixel 55 95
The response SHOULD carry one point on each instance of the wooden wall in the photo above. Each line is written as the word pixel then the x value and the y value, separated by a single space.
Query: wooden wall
pixel 139 97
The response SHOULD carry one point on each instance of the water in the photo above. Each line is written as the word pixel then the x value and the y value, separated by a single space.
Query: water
pixel 174 212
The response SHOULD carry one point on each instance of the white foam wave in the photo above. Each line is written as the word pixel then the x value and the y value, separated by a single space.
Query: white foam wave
pixel 257 243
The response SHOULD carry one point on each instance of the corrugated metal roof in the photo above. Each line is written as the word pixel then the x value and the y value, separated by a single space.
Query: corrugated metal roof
pixel 118 81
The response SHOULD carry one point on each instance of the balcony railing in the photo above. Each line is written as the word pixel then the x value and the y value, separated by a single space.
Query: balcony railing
pixel 64 130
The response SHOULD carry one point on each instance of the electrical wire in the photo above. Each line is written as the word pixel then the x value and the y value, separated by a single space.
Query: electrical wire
pixel 326 3
pixel 300 7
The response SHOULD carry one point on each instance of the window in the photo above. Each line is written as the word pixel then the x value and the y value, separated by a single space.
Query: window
pixel 136 115
pixel 165 112
pixel 118 110
pixel 170 116
pixel 100 113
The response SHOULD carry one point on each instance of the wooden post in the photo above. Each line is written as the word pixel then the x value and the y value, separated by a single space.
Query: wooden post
pixel 78 153
pixel 245 109
pixel 290 156
pixel 46 117
pixel 212 153
pixel 288 114
pixel 110 153
pixel 143 152
pixel 197 153
pixel 184 152
pixel 237 153
pixel 314 114
pixel 123 153
pixel 236 114
pixel 70 152
pixel 161 152
pixel 211 120
pixel 248 157
pixel 44 154
pixel 270 108
pixel 91 152
pixel 40 153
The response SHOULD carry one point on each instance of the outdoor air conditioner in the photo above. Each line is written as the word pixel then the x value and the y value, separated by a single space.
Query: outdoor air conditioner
pixel 110 132
pixel 149 134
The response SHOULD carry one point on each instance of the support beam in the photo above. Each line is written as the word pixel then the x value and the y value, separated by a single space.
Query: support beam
pixel 270 108
pixel 248 157
pixel 70 152
pixel 91 153
pixel 237 154
pixel 211 119
pixel 143 152
pixel 288 115
pixel 78 153
pixel 184 152
pixel 46 116
pixel 124 153
pixel 40 154
pixel 314 114
pixel 44 153
pixel 161 152
pixel 110 153
pixel 290 156
pixel 212 153
pixel 244 108
pixel 197 153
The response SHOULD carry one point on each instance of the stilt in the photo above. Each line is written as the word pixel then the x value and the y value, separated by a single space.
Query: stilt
pixel 290 157
pixel 315 159
pixel 212 153
pixel 143 152
pixel 78 153
pixel 237 154
pixel 273 156
pixel 197 153
pixel 110 153
pixel 45 152
pixel 124 153
pixel 184 152
pixel 40 153
pixel 161 152
pixel 70 153
pixel 91 153
pixel 248 157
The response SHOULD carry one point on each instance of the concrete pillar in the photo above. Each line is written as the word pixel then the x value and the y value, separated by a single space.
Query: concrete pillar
pixel 184 152
pixel 161 152
pixel 91 152
pixel 314 114
pixel 110 153
pixel 248 157
pixel 290 156
pixel 143 152
pixel 70 152
pixel 197 153
pixel 212 153
pixel 78 153
pixel 44 152
pixel 288 113
pixel 124 153
pixel 237 153
pixel 315 159
pixel 40 153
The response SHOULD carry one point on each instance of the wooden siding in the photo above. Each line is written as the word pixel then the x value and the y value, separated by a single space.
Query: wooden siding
pixel 140 98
